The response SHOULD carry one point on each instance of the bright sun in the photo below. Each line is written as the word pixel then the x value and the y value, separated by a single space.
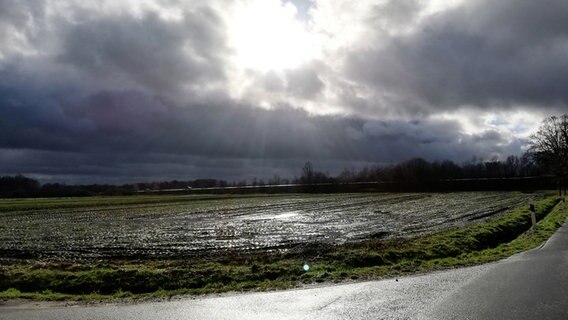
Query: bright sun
pixel 267 36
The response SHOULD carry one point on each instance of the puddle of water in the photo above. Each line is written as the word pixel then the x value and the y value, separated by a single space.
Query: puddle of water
pixel 286 215
pixel 278 216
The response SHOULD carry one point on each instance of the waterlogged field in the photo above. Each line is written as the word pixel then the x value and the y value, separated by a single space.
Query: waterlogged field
pixel 184 226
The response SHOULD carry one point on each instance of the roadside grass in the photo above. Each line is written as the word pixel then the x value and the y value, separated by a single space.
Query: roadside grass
pixel 369 259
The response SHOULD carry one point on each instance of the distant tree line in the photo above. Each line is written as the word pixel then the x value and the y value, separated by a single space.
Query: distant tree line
pixel 418 170
pixel 547 158
pixel 420 175
pixel 407 174
pixel 20 186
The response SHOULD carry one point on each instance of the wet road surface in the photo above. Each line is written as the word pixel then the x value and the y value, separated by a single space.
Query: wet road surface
pixel 386 299
pixel 532 285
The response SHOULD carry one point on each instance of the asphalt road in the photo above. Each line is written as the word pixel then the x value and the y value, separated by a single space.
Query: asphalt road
pixel 387 299
pixel 531 285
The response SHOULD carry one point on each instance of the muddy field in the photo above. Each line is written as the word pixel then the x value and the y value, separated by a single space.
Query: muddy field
pixel 171 227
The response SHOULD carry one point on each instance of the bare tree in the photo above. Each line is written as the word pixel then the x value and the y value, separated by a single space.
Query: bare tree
pixel 549 146
pixel 308 173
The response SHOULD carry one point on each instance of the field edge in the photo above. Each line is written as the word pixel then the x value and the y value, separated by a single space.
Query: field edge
pixel 366 260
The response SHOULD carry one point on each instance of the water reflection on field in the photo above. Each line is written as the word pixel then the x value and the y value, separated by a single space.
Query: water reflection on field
pixel 242 223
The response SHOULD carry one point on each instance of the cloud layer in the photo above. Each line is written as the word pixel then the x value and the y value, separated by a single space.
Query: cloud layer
pixel 111 91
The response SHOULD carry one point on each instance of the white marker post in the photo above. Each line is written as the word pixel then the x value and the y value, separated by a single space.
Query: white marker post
pixel 533 214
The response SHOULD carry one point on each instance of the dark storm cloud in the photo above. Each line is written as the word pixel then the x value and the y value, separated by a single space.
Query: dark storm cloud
pixel 119 136
pixel 113 97
pixel 481 54
pixel 160 54
pixel 134 121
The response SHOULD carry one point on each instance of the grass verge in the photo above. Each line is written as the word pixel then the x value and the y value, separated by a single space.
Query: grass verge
pixel 370 259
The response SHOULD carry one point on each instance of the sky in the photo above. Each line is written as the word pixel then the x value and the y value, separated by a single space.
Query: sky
pixel 143 90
